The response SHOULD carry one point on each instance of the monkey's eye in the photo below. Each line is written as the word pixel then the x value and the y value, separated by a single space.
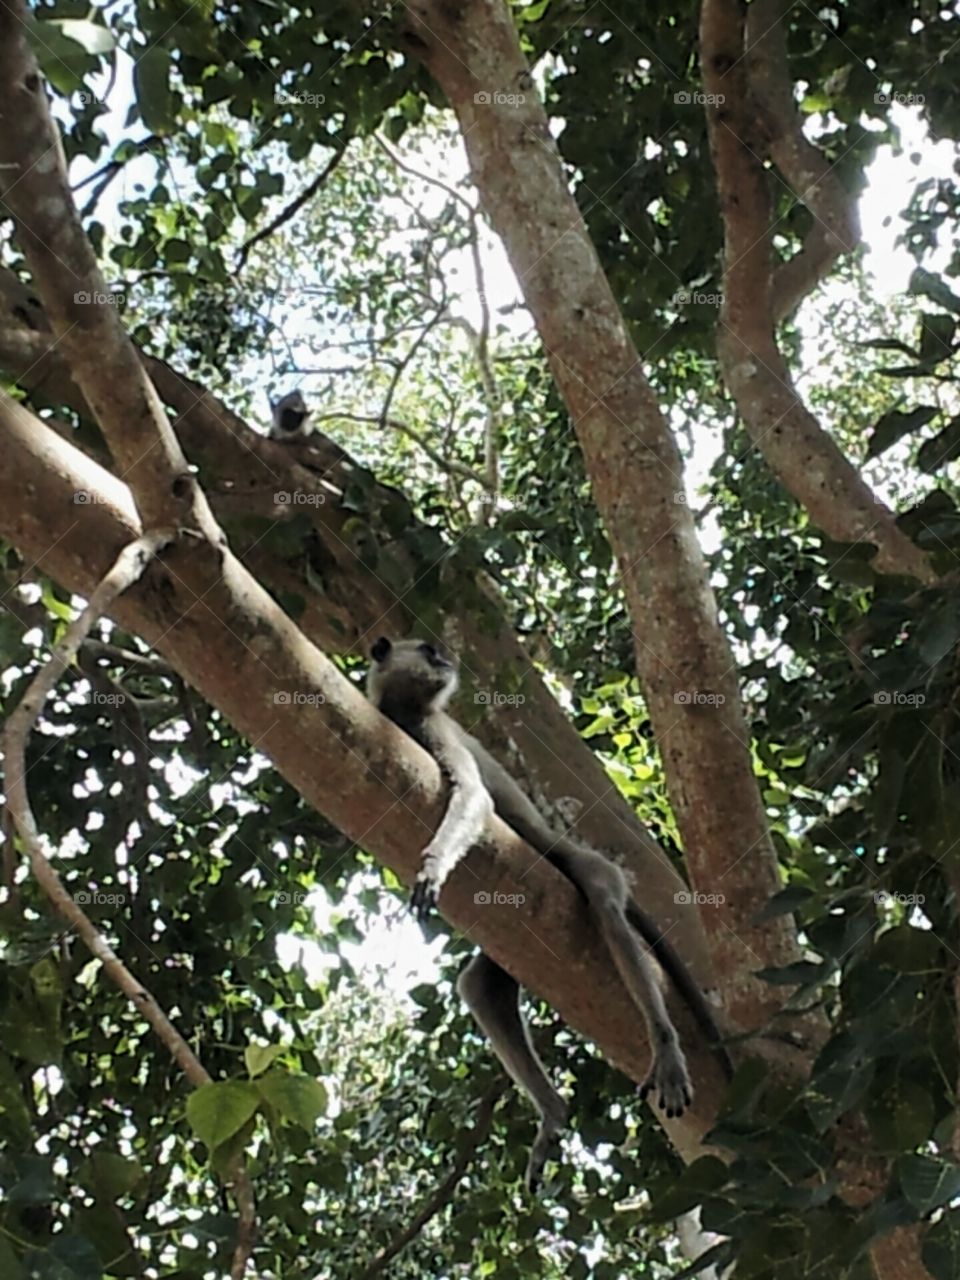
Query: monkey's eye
pixel 433 655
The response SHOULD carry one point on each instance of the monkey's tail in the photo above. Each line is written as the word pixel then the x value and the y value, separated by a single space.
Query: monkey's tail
pixel 680 976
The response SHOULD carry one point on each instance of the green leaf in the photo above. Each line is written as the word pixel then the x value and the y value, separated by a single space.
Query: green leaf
pixel 10 1267
pixel 928 1183
pixel 91 36
pixel 931 286
pixel 109 1175
pixel 672 1196
pixel 896 424
pixel 155 98
pixel 943 448
pixel 941 1247
pixel 789 899
pixel 937 333
pixel 217 1110
pixel 299 1099
pixel 62 60
pixel 258 1057
pixel 902 1117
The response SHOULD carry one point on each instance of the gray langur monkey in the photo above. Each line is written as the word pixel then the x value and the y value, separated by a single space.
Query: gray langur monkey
pixel 411 682
pixel 289 417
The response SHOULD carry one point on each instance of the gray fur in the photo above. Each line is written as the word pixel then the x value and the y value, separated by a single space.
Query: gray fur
pixel 412 681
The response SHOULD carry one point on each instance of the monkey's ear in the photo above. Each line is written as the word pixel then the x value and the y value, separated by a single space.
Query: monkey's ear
pixel 380 649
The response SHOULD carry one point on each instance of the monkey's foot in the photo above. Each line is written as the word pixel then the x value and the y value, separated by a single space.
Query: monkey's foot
pixel 669 1082
pixel 546 1141
pixel 424 897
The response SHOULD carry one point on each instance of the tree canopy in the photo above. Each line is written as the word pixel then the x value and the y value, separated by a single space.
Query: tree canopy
pixel 605 393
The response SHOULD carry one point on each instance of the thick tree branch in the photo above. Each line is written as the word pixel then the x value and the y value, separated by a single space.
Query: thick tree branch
pixel 804 457
pixel 83 314
pixel 239 650
pixel 635 470
pixel 243 471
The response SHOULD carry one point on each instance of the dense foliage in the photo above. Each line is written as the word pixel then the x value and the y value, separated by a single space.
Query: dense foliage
pixel 244 912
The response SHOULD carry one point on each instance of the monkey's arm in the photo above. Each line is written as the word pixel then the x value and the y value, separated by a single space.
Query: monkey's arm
pixel 468 809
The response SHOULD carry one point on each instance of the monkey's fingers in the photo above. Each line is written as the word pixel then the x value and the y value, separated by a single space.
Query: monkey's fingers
pixel 423 899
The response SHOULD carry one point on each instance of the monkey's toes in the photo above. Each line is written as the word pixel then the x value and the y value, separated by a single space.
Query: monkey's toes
pixel 670 1084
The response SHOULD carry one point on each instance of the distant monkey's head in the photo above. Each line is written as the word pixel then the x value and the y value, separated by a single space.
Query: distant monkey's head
pixel 411 674
pixel 290 414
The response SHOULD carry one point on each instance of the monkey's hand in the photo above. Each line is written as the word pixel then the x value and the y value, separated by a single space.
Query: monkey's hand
pixel 424 896
pixel 669 1081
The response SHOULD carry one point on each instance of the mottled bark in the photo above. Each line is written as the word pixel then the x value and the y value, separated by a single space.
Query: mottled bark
pixel 683 657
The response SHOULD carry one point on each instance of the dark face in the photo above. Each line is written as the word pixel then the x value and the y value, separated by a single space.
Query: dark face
pixel 414 674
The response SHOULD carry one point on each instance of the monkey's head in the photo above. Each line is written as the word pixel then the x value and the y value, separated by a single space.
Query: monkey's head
pixel 290 414
pixel 411 674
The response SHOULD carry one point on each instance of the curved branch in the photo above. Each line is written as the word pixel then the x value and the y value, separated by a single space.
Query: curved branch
pixel 806 459
pixel 127 570
pixel 82 311
pixel 836 226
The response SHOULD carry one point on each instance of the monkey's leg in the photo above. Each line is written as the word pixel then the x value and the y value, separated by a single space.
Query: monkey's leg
pixel 668 1077
pixel 493 997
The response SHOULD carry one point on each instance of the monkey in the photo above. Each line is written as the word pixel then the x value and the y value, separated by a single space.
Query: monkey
pixel 289 417
pixel 412 681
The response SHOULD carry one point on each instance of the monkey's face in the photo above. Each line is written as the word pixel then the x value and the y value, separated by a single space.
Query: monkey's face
pixel 411 673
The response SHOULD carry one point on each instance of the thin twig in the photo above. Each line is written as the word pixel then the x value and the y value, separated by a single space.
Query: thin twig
pixel 288 211
pixel 443 1194
pixel 450 465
